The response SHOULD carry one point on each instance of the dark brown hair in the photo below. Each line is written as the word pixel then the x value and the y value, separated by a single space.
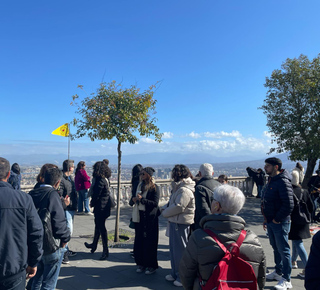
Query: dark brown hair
pixel 180 172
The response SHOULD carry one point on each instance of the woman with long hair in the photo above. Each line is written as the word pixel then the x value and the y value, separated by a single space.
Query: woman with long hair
pixel 82 184
pixel 146 223
pixel 180 214
pixel 101 203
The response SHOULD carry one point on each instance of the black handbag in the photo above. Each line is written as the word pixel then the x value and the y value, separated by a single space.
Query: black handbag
pixel 300 214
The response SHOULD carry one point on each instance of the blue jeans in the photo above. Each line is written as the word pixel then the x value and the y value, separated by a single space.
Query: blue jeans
pixel 278 237
pixel 260 190
pixel 48 271
pixel 298 249
pixel 83 199
pixel 69 217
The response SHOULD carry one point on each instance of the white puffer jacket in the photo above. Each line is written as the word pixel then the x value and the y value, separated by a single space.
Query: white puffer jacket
pixel 181 206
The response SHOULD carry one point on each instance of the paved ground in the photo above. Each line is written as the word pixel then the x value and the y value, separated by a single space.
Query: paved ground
pixel 85 271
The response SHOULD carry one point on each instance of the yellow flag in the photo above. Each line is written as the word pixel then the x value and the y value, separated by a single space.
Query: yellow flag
pixel 62 130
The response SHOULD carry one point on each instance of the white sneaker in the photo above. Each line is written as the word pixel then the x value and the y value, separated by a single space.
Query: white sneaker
pixel 273 276
pixel 170 278
pixel 177 283
pixel 283 284
pixel 294 265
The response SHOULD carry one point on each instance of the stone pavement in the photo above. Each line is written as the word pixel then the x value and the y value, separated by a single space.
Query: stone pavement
pixel 85 271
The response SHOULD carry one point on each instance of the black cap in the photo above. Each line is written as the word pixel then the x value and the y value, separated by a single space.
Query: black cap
pixel 149 170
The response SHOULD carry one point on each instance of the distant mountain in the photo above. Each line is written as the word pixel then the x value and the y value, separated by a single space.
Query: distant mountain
pixel 152 159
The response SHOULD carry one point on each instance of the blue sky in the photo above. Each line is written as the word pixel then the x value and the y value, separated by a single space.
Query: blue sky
pixel 212 58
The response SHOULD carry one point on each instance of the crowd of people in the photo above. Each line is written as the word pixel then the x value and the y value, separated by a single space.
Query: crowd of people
pixel 43 221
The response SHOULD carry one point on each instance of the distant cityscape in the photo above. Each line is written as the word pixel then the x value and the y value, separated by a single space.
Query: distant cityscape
pixel 29 173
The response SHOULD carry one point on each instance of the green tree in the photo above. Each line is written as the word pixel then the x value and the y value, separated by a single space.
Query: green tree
pixel 292 107
pixel 117 112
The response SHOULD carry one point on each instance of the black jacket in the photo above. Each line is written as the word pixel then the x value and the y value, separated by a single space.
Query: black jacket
pixel 67 187
pixel 100 199
pixel 312 279
pixel 45 196
pixel 277 199
pixel 203 198
pixel 21 231
pixel 258 178
pixel 297 231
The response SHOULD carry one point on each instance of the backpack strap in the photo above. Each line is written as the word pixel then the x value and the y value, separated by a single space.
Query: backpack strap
pixel 240 239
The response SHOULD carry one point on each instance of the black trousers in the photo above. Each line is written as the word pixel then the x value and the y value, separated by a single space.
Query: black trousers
pixel 146 241
pixel 15 282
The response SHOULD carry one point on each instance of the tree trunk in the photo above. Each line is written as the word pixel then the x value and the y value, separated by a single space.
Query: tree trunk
pixel 116 231
pixel 309 172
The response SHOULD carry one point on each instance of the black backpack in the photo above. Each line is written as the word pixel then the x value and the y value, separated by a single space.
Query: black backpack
pixel 300 214
pixel 50 244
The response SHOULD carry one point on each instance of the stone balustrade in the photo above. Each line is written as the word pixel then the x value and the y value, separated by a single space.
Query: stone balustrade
pixel 242 182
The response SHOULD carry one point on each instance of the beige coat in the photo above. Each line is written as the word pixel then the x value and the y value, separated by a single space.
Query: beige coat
pixel 181 206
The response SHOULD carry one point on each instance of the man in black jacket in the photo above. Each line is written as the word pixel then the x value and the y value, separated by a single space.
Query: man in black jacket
pixel 21 234
pixel 204 193
pixel 277 205
pixel 46 196
pixel 67 190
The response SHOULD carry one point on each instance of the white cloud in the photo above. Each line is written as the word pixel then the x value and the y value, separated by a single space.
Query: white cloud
pixel 267 134
pixel 194 135
pixel 167 135
pixel 219 135
pixel 147 140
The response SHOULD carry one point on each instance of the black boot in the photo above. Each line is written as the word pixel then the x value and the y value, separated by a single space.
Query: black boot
pixel 94 244
pixel 105 253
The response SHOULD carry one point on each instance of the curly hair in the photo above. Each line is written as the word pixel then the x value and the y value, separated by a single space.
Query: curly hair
pixel 180 172
pixel 101 169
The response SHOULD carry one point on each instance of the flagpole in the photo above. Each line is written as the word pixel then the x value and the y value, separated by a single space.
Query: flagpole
pixel 69 137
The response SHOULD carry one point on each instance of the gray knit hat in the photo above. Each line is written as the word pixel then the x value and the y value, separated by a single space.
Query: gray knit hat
pixel 149 170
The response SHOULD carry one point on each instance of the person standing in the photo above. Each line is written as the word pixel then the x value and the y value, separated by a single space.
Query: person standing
pixel 202 253
pixel 15 176
pixel 147 223
pixel 82 183
pixel 21 234
pixel 100 201
pixel 276 207
pixel 258 177
pixel 67 189
pixel 300 171
pixel 298 231
pixel 180 214
pixel 46 197
pixel 204 193
pixel 135 180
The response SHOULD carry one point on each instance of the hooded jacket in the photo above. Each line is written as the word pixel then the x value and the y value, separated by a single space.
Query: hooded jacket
pixel 181 206
pixel 277 198
pixel 21 232
pixel 47 197
pixel 202 253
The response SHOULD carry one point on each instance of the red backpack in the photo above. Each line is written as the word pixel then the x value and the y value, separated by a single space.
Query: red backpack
pixel 232 272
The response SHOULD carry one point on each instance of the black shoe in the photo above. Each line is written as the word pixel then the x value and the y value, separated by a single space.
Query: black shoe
pixel 90 246
pixel 65 259
pixel 71 253
pixel 104 256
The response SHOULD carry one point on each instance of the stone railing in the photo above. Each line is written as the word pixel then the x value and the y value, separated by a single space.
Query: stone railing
pixel 242 182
